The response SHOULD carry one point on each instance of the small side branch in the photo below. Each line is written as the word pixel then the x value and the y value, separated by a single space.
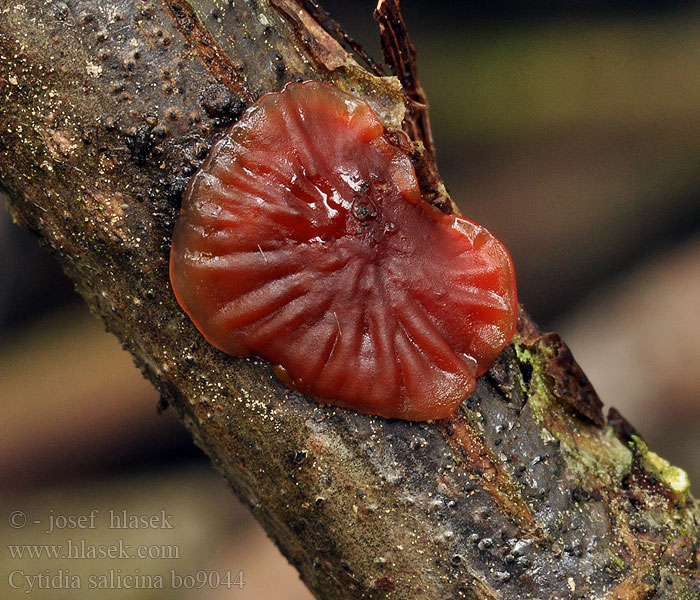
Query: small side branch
pixel 400 54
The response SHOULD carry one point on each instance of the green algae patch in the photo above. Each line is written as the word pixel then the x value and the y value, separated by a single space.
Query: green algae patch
pixel 675 478
pixel 587 453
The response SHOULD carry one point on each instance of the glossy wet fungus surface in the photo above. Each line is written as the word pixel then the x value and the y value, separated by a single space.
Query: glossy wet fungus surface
pixel 303 240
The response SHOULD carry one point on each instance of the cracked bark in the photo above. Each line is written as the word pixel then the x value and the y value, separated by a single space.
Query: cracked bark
pixel 108 108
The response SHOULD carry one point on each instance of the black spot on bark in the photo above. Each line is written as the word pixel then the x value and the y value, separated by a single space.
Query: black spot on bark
pixel 140 142
pixel 221 103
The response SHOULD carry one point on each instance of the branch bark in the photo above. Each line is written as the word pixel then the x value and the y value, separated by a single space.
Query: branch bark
pixel 108 108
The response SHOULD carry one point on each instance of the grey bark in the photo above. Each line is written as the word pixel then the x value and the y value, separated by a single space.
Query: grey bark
pixel 108 107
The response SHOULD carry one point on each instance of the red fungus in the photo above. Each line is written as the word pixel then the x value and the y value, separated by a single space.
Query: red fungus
pixel 303 240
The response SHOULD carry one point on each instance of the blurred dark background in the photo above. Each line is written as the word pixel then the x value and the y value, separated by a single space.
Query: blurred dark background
pixel 570 128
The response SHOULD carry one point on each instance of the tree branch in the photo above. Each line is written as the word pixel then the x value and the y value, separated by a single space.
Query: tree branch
pixel 108 108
